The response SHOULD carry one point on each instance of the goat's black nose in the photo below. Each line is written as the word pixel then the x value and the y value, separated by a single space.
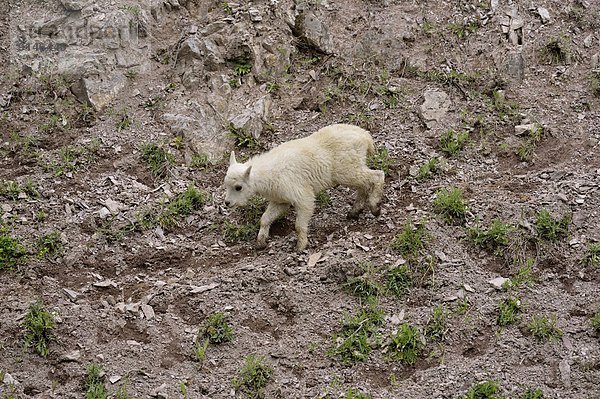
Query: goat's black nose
pixel 227 203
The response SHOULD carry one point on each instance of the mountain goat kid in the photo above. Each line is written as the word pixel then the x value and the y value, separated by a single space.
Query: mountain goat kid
pixel 295 171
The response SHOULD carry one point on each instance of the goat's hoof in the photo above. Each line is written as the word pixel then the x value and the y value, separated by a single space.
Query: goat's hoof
pixel 261 245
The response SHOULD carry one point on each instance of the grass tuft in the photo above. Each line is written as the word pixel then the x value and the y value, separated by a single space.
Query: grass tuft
pixel 592 255
pixel 39 324
pixel 551 229
pixel 157 159
pixel 428 169
pixel 216 329
pixel 12 252
pixel 437 327
pixel 508 311
pixel 253 377
pixel 544 328
pixel 595 320
pixel 398 281
pixel 411 240
pixel 494 239
pixel 450 204
pixel 49 245
pixel 94 383
pixel 406 344
pixel 484 390
pixel 451 143
pixel 381 160
pixel 531 393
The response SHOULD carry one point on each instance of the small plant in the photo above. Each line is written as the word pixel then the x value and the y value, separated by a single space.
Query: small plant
pixel 494 239
pixel 531 393
pixel 152 103
pixel 508 311
pixel 12 252
pixel 438 324
pixel 411 240
pixel 234 232
pixel 592 255
pixel 551 229
pixel 94 383
pixel 200 161
pixel 428 169
pixel 484 390
pixel 450 204
pixel 398 281
pixel 131 74
pixel 123 121
pixel 362 287
pixel 200 348
pixel 352 393
pixel 242 67
pixel 463 29
pixel 242 138
pixel 557 50
pixel 122 392
pixel 9 189
pixel 38 324
pixel 226 7
pixel 49 245
pixel 526 149
pixel 181 206
pixel 505 108
pixel 596 321
pixel 216 329
pixel 157 158
pixel 253 377
pixel 406 344
pixel 451 143
pixel 544 328
pixel 272 87
pixel 54 123
pixel 381 161
pixel 524 276
pixel 353 342
pixel 323 199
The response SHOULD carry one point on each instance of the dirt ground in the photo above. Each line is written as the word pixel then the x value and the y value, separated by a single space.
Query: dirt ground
pixel 135 304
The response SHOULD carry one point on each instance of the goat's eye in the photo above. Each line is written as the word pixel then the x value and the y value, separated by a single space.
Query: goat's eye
pixel 238 188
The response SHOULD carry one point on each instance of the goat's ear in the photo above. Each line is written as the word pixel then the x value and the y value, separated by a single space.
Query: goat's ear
pixel 247 172
pixel 232 160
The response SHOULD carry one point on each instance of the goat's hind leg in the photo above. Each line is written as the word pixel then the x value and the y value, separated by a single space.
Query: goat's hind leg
pixel 376 194
pixel 274 210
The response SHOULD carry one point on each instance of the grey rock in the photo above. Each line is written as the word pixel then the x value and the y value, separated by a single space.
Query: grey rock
pixel 99 91
pixel 516 66
pixel 434 108
pixel 104 212
pixel 9 380
pixel 160 392
pixel 71 356
pixel 254 15
pixel 589 40
pixel 252 119
pixel 544 15
pixel 520 130
pixel 72 295
pixel 75 5
pixel 113 206
pixel 148 311
pixel 204 288
pixel 498 282
pixel 565 372
pixel 114 379
pixel 316 34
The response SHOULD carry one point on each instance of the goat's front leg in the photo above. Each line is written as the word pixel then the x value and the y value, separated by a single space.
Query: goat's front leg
pixel 274 210
pixel 304 212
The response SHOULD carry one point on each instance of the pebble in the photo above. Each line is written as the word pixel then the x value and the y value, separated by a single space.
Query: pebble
pixel 204 288
pixel 498 282
pixel 72 356
pixel 544 15
pixel 114 378
pixel 72 295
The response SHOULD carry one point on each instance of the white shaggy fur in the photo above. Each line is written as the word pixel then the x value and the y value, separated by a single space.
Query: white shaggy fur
pixel 294 172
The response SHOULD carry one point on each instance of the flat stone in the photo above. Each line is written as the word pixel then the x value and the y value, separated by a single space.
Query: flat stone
pixel 204 288
pixel 114 378
pixel 72 356
pixel 565 372
pixel 544 15
pixel 434 108
pixel 9 380
pixel 498 282
pixel 71 294
pixel 148 311
pixel 113 206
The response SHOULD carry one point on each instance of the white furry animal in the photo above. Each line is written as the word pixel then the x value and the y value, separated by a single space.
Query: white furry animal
pixel 294 172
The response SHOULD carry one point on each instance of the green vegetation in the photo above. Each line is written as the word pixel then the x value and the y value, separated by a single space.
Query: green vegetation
pixel 380 160
pixel 242 138
pixel 451 143
pixel 94 383
pixel 157 159
pixel 551 229
pixel 595 320
pixel 12 252
pixel 544 328
pixel 200 348
pixel 242 67
pixel 406 344
pixel 506 109
pixel 450 204
pixel 526 149
pixel 38 324
pixel 49 245
pixel 352 393
pixel 494 239
pixel 557 51
pixel 531 393
pixel 200 161
pixel 428 169
pixel 595 83
pixel 253 377
pixel 508 311
pixel 323 199
pixel 216 329
pixel 411 240
pixel 249 221
pixel 363 287
pixel 70 158
pixel 184 204
pixel 398 281
pixel 12 190
pixel 437 327
pixel 123 121
pixel 484 390
pixel 463 29
pixel 592 255
pixel 524 276
pixel 353 341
